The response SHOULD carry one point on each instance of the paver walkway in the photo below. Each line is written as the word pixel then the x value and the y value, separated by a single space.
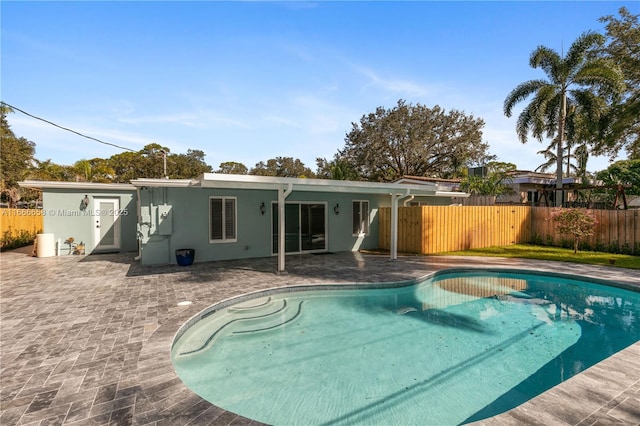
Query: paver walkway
pixel 86 339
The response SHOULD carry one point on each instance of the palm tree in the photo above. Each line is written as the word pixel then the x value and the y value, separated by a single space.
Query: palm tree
pixel 574 81
pixel 550 156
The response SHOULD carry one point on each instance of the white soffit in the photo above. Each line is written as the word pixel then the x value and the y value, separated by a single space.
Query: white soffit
pixel 44 184
pixel 217 180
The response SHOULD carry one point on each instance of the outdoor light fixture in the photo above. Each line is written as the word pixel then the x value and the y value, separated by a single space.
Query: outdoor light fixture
pixel 263 209
pixel 84 203
pixel 336 209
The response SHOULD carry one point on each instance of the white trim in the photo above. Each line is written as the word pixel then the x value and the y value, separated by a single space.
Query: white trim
pixel 217 180
pixel 42 184
pixel 165 183
pixel 98 214
pixel 361 234
pixel 235 220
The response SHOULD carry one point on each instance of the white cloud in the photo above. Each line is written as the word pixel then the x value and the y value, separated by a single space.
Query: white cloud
pixel 402 87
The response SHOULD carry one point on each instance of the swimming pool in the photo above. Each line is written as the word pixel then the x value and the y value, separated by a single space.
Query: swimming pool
pixel 454 348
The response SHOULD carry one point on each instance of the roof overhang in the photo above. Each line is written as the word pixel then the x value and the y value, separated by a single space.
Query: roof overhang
pixel 217 180
pixel 89 186
pixel 164 183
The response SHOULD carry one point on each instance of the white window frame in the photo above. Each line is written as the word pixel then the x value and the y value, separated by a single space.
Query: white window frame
pixel 365 220
pixel 224 238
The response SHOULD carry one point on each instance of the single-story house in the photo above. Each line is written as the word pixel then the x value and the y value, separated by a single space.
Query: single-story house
pixel 223 216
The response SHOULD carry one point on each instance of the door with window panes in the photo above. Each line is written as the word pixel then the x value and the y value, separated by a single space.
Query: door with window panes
pixel 305 227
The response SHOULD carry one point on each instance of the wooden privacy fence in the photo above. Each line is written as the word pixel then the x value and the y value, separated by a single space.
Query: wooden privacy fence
pixel 616 231
pixel 16 220
pixel 437 229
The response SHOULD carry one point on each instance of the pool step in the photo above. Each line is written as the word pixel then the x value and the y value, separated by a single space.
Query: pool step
pixel 253 305
pixel 253 316
pixel 288 313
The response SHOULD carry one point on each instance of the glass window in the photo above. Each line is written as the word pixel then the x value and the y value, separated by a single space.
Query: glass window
pixel 360 217
pixel 222 214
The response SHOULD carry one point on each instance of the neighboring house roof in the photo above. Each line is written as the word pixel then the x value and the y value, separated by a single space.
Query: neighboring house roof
pixel 218 180
pixel 526 176
pixel 409 178
pixel 45 184
pixel 442 184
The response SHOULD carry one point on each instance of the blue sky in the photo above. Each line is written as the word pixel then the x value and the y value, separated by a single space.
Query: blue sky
pixel 250 81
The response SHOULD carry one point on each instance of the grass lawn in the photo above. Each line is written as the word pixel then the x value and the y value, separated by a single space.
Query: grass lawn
pixel 554 253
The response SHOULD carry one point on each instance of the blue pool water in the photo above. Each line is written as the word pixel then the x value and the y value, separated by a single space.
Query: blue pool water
pixel 455 348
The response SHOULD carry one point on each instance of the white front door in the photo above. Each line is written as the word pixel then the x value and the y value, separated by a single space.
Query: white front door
pixel 106 224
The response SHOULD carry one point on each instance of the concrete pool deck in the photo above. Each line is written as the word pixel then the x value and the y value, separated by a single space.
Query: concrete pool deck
pixel 86 339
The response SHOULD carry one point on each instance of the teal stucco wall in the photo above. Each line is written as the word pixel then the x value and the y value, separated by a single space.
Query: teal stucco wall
pixel 185 224
pixel 64 218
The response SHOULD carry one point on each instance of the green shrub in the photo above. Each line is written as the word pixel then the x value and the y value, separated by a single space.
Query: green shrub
pixel 626 248
pixel 613 247
pixel 584 246
pixel 549 240
pixel 12 239
pixel 564 243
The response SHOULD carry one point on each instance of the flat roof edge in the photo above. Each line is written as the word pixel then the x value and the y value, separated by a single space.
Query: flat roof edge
pixel 45 184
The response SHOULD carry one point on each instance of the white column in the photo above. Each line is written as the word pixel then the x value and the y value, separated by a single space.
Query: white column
pixel 395 201
pixel 282 197
pixel 394 227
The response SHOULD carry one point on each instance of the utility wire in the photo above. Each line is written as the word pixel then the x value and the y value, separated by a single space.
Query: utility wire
pixel 67 129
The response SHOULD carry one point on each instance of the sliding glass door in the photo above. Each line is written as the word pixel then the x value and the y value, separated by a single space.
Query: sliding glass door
pixel 305 227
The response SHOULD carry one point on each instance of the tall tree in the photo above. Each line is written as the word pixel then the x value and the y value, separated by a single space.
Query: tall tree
pixel 129 165
pixel 336 169
pixel 187 166
pixel 282 167
pixel 16 157
pixel 621 126
pixel 48 170
pixel 572 82
pixel 623 172
pixel 232 168
pixel 412 140
pixel 94 170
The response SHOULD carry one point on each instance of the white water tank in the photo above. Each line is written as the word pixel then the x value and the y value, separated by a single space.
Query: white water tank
pixel 45 245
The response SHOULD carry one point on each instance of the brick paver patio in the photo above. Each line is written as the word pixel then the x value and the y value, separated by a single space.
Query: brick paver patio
pixel 86 339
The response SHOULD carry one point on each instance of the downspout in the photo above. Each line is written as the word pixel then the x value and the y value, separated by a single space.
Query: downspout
pixel 394 223
pixel 165 196
pixel 282 196
pixel 139 213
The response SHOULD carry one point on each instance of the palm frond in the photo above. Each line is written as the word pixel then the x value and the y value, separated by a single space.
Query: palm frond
pixel 578 50
pixel 523 124
pixel 547 59
pixel 520 93
pixel 601 74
